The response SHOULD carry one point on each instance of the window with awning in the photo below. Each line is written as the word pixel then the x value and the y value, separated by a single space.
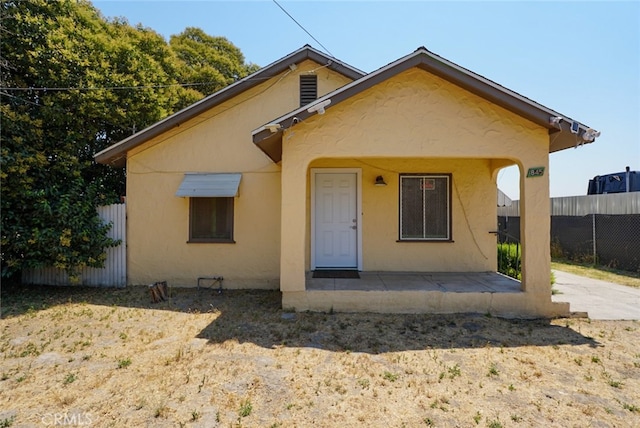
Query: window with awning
pixel 209 185
pixel 210 206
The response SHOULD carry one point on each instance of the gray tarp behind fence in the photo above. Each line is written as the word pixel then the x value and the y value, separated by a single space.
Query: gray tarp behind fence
pixel 583 228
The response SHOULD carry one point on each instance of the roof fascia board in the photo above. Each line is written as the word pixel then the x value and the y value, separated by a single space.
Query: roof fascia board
pixel 560 135
pixel 115 154
pixel 336 96
pixel 491 91
pixel 333 63
pixel 444 69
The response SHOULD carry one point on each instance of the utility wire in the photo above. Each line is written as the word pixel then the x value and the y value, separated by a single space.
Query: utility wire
pixel 116 88
pixel 99 88
pixel 61 110
pixel 304 29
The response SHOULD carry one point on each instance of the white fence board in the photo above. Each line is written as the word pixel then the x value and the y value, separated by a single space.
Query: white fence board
pixel 612 203
pixel 114 274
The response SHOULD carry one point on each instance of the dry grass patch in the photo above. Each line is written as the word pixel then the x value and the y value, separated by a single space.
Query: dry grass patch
pixel 204 359
pixel 630 279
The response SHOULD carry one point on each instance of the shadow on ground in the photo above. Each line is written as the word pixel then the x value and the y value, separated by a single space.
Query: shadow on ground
pixel 252 316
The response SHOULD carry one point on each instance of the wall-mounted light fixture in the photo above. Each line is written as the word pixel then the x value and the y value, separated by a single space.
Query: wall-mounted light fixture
pixel 319 107
pixel 590 135
pixel 555 120
pixel 273 127
pixel 380 181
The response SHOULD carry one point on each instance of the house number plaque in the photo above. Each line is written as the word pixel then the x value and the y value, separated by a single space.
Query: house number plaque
pixel 537 171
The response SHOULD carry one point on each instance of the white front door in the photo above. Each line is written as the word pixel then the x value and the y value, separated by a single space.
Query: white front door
pixel 335 221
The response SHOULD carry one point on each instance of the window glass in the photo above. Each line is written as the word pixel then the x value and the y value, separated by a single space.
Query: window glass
pixel 211 220
pixel 424 207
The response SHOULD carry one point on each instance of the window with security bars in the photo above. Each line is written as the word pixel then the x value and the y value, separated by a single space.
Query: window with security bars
pixel 211 220
pixel 308 89
pixel 425 207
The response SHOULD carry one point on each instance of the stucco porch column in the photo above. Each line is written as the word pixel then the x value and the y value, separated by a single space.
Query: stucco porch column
pixel 535 237
pixel 293 225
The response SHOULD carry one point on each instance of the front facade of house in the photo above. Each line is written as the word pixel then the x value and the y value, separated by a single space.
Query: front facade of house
pixel 394 171
pixel 161 239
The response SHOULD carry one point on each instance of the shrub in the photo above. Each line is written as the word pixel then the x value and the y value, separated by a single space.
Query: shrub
pixel 509 260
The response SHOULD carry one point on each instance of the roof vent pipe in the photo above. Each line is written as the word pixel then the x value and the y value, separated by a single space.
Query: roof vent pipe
pixel 627 178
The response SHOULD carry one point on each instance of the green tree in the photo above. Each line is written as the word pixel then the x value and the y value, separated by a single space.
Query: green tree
pixel 209 63
pixel 74 83
pixel 48 210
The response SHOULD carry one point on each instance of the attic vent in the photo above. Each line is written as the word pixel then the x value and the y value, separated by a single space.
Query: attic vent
pixel 308 89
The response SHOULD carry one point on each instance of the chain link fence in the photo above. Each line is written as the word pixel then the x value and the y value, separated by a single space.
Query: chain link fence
pixel 604 239
pixel 596 229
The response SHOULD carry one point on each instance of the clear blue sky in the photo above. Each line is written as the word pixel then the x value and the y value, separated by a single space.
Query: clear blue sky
pixel 580 58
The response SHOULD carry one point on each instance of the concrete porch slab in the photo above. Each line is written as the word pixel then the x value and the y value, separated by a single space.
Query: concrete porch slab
pixel 446 282
pixel 424 292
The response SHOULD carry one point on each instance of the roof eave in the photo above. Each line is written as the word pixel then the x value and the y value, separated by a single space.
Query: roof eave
pixel 453 73
pixel 115 155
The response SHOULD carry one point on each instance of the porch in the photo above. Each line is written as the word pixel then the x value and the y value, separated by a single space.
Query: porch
pixel 423 292
pixel 446 282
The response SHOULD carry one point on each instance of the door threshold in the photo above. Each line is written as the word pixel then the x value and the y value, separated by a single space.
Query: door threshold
pixel 336 273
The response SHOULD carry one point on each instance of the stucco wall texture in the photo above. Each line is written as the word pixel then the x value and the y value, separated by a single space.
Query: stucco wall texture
pixel 219 140
pixel 413 122
pixel 417 122
pixel 473 249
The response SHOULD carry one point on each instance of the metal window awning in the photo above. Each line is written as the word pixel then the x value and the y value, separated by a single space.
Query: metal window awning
pixel 209 185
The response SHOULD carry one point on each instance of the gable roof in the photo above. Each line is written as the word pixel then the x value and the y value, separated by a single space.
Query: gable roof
pixel 115 155
pixel 269 137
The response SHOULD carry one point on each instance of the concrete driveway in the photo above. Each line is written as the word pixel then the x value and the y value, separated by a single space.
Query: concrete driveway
pixel 601 300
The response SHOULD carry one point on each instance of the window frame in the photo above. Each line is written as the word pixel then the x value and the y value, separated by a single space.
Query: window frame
pixel 229 222
pixel 448 216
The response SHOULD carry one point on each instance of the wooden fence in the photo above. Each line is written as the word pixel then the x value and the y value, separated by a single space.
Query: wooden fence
pixel 114 274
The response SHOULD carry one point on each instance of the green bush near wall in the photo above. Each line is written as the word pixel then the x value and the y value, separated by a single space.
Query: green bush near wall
pixel 510 260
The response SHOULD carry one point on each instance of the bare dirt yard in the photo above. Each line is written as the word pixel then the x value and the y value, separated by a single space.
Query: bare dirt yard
pixel 111 358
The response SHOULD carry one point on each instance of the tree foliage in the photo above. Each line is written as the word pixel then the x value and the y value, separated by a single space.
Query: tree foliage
pixel 73 83
pixel 211 62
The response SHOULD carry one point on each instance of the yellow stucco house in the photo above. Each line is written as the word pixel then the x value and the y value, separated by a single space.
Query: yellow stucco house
pixel 347 191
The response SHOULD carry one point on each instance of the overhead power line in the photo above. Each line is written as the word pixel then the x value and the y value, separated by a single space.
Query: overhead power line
pixel 100 88
pixel 304 29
